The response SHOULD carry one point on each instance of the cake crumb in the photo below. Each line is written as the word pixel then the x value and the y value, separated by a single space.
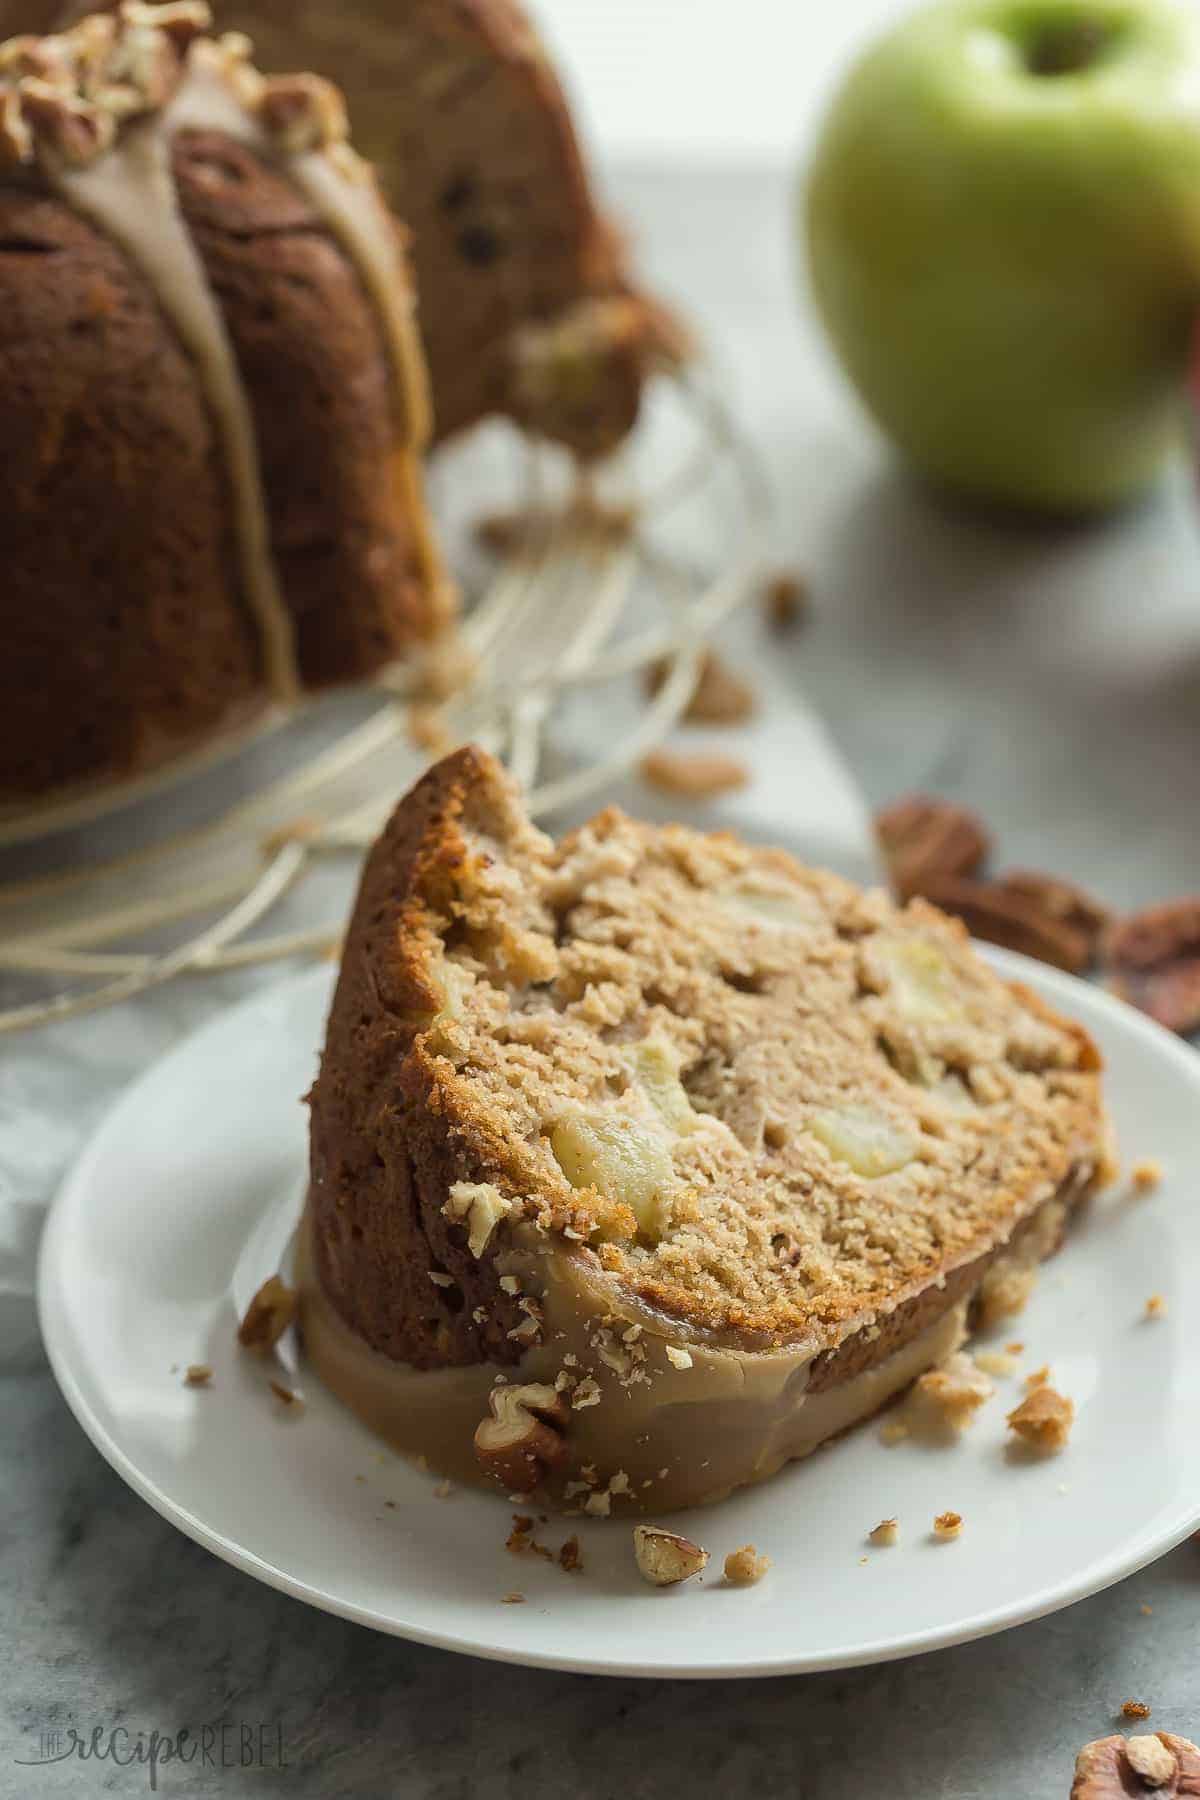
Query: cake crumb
pixel 1147 1611
pixel 1044 1419
pixel 513 1600
pixel 947 1525
pixel 1146 1175
pixel 862 1560
pixel 953 1392
pixel 1039 1378
pixel 443 1490
pixel 1156 1307
pixel 570 1556
pixel 440 1279
pixel 1004 1290
pixel 679 1359
pixel 893 1431
pixel 287 1397
pixel 996 1362
pixel 198 1375
pixel 745 1566
pixel 887 1532
pixel 696 775
pixel 1016 1348
pixel 1134 1709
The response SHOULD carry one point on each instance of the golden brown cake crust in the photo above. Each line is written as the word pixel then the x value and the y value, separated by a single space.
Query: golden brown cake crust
pixel 526 304
pixel 782 1245
pixel 130 635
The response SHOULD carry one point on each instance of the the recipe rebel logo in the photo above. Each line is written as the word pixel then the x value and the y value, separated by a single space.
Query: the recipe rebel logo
pixel 237 1744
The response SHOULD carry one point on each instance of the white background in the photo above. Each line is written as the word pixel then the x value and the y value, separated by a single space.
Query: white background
pixel 720 79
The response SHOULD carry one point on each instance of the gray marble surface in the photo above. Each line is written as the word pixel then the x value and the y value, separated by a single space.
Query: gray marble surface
pixel 1050 677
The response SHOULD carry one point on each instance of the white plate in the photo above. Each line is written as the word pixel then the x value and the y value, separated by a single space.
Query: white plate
pixel 134 1279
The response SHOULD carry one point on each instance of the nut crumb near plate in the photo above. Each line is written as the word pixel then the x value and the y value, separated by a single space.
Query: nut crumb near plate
pixel 744 1567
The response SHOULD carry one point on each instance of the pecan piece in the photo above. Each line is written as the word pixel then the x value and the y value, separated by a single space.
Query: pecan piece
pixel 923 839
pixel 721 697
pixel 524 1437
pixel 1159 1763
pixel 71 129
pixel 16 139
pixel 303 112
pixel 992 911
pixel 182 20
pixel 697 776
pixel 268 1316
pixel 1060 900
pixel 1153 961
pixel 664 1558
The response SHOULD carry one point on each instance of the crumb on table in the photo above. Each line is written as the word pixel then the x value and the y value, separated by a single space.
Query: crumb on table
pixel 947 1525
pixel 513 1600
pixel 198 1375
pixel 1146 1175
pixel 887 1532
pixel 1134 1709
pixel 1156 1307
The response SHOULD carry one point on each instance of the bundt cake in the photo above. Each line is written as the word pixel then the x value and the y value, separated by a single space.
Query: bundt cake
pixel 212 399
pixel 526 307
pixel 645 1162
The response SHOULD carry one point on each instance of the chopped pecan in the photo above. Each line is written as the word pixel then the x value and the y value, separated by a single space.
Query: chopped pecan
pixel 925 839
pixel 268 1316
pixel 303 112
pixel 787 601
pixel 1060 900
pixel 524 1437
pixel 1159 1763
pixel 182 20
pixel 140 73
pixel 664 1558
pixel 994 912
pixel 16 139
pixel 1153 960
pixel 45 58
pixel 720 697
pixel 693 777
pixel 71 129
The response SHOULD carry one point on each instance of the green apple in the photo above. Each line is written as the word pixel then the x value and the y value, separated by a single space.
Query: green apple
pixel 1003 221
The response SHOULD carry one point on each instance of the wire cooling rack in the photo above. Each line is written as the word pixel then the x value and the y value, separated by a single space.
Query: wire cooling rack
pixel 112 895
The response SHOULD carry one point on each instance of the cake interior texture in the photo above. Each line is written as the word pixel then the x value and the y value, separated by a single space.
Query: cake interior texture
pixel 661 1117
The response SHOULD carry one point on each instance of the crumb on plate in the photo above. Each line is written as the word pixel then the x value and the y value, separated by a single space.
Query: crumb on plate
pixel 745 1566
pixel 1043 1419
